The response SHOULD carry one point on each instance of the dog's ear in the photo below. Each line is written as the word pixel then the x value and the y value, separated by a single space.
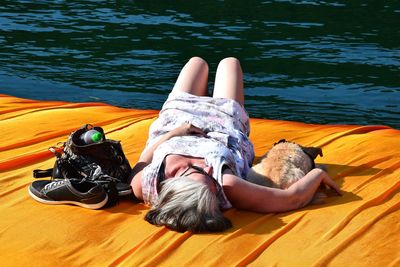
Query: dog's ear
pixel 313 152
pixel 280 141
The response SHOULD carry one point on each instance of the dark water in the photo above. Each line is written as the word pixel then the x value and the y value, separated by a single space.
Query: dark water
pixel 310 61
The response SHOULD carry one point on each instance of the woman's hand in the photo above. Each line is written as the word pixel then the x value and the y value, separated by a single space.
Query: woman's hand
pixel 327 181
pixel 187 129
pixel 147 156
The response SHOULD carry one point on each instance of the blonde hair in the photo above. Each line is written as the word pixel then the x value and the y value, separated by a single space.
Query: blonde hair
pixel 187 205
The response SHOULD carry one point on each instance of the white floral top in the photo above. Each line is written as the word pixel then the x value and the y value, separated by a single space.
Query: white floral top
pixel 227 144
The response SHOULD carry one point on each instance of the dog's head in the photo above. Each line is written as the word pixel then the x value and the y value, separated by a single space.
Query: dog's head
pixel 312 152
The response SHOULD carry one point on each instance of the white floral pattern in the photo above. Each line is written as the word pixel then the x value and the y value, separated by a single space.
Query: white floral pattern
pixel 227 144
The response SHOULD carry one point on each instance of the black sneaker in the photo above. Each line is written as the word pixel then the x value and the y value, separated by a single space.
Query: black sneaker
pixel 69 191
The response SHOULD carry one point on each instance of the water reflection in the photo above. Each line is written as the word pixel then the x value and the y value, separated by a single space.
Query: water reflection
pixel 301 58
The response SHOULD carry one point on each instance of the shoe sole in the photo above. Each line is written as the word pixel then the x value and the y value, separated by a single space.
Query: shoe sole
pixel 51 202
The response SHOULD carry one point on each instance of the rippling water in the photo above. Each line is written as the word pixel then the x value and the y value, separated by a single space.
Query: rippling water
pixel 310 61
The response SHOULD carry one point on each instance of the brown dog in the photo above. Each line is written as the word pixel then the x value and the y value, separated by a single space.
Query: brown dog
pixel 284 164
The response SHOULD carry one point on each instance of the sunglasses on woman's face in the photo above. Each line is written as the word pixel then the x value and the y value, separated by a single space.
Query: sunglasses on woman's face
pixel 194 169
pixel 197 169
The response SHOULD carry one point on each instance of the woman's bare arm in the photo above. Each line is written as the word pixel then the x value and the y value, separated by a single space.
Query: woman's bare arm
pixel 248 196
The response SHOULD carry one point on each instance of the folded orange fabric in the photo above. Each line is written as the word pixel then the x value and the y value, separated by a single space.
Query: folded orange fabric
pixel 358 229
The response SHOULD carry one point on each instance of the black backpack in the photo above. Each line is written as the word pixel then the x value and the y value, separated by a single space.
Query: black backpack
pixel 103 162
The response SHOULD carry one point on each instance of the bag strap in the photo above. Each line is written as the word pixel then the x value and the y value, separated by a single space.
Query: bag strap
pixel 42 173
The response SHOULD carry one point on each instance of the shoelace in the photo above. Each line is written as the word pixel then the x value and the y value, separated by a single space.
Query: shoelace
pixel 99 176
pixel 52 185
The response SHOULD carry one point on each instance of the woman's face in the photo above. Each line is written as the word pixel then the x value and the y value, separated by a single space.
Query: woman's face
pixel 202 175
pixel 192 168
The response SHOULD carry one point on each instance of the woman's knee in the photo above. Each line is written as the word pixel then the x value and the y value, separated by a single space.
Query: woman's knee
pixel 193 77
pixel 230 62
pixel 199 62
pixel 229 80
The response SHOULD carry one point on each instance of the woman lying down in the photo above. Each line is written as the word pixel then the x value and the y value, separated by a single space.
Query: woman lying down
pixel 198 155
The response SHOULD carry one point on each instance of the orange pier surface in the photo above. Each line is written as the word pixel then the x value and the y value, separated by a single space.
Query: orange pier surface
pixel 361 228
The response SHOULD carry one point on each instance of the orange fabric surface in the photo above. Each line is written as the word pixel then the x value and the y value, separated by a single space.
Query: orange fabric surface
pixel 361 228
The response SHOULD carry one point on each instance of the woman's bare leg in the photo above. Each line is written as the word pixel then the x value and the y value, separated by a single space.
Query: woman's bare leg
pixel 229 80
pixel 193 78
